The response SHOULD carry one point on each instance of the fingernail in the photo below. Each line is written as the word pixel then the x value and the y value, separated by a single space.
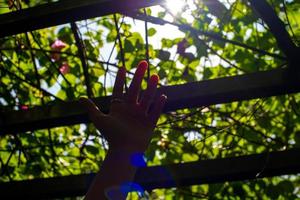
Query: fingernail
pixel 143 64
pixel 154 78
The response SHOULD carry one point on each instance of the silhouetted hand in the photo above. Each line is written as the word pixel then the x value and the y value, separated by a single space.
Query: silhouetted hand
pixel 130 123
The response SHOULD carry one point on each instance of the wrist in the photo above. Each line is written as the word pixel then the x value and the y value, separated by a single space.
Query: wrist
pixel 134 158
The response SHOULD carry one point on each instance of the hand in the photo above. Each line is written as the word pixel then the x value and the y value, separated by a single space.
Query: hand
pixel 130 123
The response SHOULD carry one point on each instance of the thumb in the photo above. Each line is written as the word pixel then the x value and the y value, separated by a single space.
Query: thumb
pixel 95 115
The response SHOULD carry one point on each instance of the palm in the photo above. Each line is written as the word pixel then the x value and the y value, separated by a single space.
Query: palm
pixel 131 127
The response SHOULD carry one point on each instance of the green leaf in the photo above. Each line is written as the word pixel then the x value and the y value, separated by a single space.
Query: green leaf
pixel 286 187
pixel 166 43
pixel 151 32
pixel 161 14
pixel 207 73
pixel 61 94
pixel 164 55
pixel 188 157
pixel 129 47
pixel 92 149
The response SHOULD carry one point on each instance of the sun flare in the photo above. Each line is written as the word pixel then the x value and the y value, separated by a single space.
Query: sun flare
pixel 175 6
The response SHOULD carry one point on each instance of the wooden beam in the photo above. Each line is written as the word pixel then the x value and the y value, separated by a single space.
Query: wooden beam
pixel 189 95
pixel 65 11
pixel 173 175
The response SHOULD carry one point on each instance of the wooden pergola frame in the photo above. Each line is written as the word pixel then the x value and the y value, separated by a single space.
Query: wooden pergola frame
pixel 174 175
pixel 243 87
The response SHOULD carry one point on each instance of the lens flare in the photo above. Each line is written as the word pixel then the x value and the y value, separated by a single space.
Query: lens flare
pixel 175 6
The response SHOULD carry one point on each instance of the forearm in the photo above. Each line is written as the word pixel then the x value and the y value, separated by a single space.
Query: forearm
pixel 116 170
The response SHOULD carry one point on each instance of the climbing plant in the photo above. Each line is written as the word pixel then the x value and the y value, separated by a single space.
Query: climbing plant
pixel 203 39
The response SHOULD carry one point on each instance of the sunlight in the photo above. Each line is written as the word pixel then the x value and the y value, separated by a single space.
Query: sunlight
pixel 175 6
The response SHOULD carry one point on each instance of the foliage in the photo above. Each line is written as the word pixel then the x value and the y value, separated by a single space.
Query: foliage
pixel 29 66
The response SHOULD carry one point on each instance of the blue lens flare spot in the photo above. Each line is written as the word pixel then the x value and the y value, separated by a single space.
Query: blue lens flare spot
pixel 131 187
pixel 138 160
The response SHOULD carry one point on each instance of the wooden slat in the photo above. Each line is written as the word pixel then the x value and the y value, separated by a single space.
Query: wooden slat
pixel 173 175
pixel 190 95
pixel 65 11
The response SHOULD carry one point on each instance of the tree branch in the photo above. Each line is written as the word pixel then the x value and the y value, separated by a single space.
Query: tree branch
pixel 82 56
